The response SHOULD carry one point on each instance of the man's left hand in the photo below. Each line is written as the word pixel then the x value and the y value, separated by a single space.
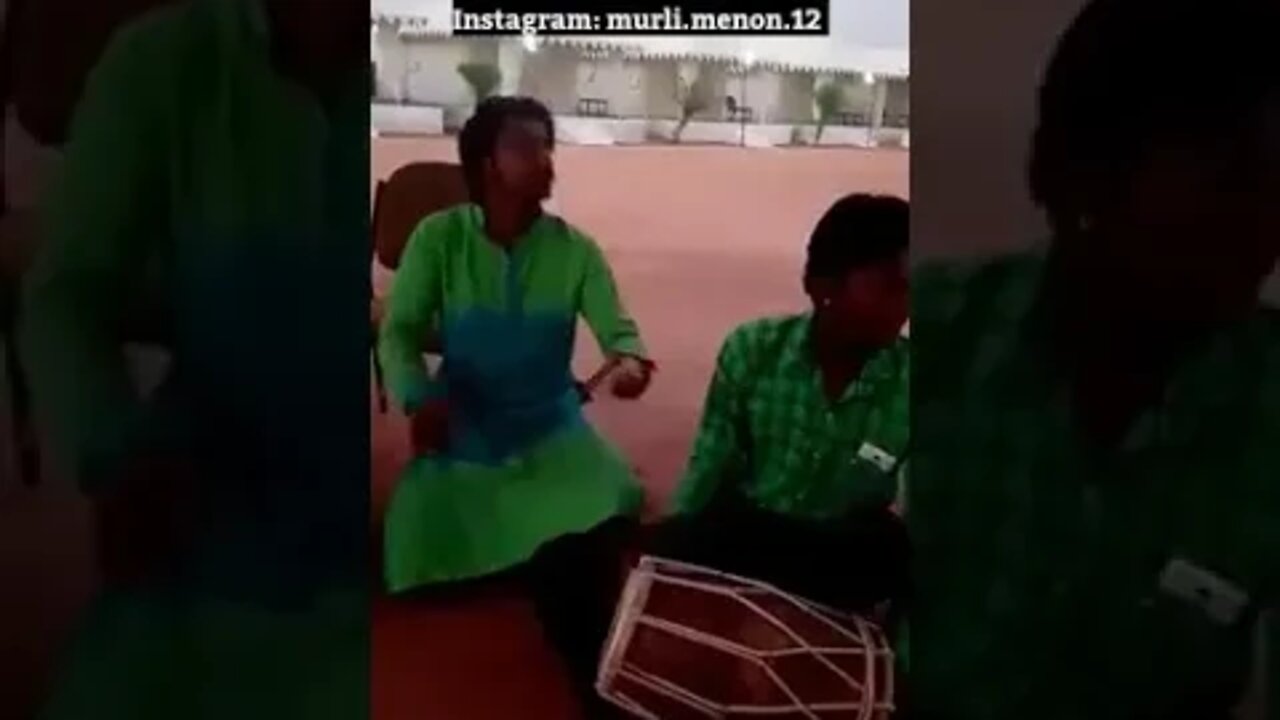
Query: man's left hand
pixel 631 378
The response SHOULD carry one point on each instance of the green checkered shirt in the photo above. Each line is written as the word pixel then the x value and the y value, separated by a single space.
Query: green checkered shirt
pixel 1042 587
pixel 768 425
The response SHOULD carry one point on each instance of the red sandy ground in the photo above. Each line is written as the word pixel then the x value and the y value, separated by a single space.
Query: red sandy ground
pixel 701 239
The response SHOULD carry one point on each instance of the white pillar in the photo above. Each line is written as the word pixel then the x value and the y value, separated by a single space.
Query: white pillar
pixel 510 64
pixel 880 99
pixel 819 79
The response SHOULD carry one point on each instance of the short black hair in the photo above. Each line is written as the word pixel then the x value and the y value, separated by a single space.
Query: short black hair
pixel 857 231
pixel 480 133
pixel 1130 73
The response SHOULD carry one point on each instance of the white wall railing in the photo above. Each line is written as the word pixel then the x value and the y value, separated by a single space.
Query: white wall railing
pixel 393 119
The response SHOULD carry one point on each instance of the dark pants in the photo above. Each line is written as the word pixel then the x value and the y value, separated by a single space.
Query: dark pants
pixel 858 564
pixel 24 437
pixel 574 582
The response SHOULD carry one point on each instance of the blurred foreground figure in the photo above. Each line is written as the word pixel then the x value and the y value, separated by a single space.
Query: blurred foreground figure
pixel 1094 500
pixel 213 198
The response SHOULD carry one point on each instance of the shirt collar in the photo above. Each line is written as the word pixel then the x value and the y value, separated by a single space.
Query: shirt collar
pixel 1195 383
pixel 882 366
pixel 539 225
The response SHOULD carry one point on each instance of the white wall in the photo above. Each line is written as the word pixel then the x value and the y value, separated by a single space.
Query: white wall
pixel 660 89
pixel 392 119
pixel 608 131
pixel 898 97
pixel 859 96
pixel 717 79
pixel 622 83
pixel 795 98
pixel 761 92
pixel 551 75
pixel 424 72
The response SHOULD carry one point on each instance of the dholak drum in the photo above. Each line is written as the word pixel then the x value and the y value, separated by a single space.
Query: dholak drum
pixel 689 642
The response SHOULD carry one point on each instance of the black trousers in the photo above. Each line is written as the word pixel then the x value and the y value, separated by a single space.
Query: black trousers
pixel 857 563
pixel 574 583
pixel 24 437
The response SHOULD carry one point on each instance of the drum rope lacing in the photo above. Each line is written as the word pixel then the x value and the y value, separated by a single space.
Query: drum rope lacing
pixel 866 641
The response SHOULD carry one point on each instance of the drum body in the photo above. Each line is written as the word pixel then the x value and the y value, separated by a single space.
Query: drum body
pixel 689 642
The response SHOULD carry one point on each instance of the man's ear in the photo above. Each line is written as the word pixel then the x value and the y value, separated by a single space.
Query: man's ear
pixel 819 288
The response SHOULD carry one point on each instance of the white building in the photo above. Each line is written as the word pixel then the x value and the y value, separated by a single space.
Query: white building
pixel 625 88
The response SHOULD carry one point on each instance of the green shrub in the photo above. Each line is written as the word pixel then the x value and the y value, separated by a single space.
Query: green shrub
pixel 483 78
pixel 828 98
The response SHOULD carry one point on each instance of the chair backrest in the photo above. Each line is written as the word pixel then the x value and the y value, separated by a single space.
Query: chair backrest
pixel 411 193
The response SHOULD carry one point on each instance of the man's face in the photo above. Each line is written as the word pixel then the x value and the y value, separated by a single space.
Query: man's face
pixel 869 306
pixel 522 161
pixel 1199 228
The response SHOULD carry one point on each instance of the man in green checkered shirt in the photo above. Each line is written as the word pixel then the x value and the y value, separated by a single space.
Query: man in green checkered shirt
pixel 1094 505
pixel 806 423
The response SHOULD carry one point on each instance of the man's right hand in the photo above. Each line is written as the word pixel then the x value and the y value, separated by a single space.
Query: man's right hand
pixel 429 428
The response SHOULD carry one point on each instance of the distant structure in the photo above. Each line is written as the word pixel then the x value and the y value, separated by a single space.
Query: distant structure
pixel 617 89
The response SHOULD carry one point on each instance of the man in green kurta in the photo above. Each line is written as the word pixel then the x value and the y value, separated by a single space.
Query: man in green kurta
pixel 213 195
pixel 510 479
pixel 1094 505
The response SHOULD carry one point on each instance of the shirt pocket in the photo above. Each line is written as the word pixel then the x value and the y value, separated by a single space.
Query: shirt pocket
pixel 1167 642
pixel 867 476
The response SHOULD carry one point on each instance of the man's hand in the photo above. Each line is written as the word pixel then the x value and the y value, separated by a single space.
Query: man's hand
pixel 429 428
pixel 144 521
pixel 631 378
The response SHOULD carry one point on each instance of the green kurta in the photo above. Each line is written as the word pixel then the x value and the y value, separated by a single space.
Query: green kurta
pixel 200 180
pixel 768 424
pixel 523 466
pixel 1048 572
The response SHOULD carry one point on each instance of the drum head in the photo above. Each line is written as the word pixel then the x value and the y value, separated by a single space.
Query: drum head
pixel 690 642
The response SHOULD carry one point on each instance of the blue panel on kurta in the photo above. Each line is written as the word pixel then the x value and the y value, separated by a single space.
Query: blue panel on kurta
pixel 508 380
